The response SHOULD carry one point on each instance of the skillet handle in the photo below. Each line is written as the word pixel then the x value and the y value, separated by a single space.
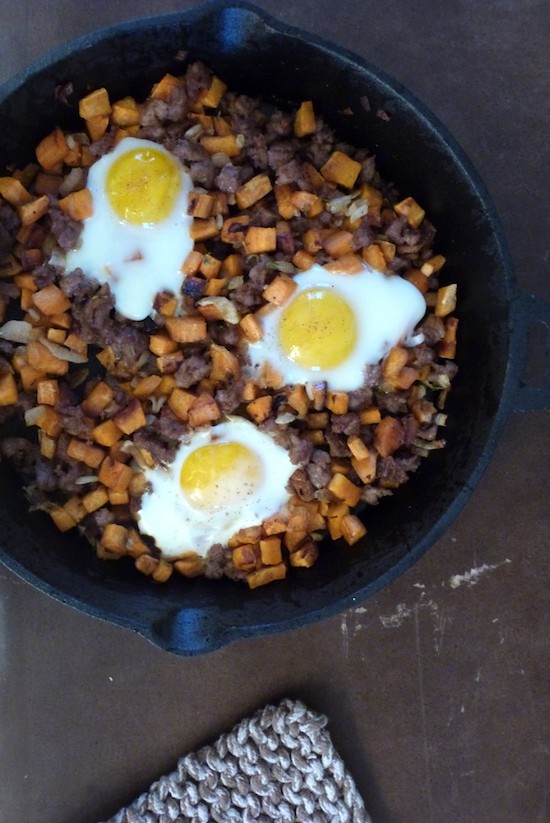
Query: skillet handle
pixel 527 311
pixel 193 631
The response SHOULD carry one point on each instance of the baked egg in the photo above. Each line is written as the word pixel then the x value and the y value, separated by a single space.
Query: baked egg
pixel 138 236
pixel 223 478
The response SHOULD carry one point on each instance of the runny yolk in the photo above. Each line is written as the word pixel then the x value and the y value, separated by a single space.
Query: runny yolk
pixel 219 475
pixel 318 329
pixel 142 185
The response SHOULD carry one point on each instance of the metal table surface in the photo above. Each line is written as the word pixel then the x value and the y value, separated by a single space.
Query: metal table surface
pixel 436 688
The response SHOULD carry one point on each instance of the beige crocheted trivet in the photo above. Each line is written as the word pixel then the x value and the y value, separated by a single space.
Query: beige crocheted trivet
pixel 278 765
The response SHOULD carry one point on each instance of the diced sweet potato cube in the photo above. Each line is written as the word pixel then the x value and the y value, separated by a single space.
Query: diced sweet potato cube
pixel 304 120
pixel 349 263
pixel 232 266
pixel 259 239
pixel 292 539
pixel 191 566
pixel 225 144
pixel 410 209
pixel 253 190
pixel 370 415
pixel 260 408
pixel 270 551
pixel 48 445
pixel 41 359
pixel 352 529
pixel 341 169
pixel 224 363
pixel 447 346
pixel 146 564
pixel 204 229
pixel 12 190
pixel 344 489
pixel 314 238
pixel 234 228
pixel 135 546
pixel 33 211
pixel 357 447
pixel 388 250
pixel 204 410
pixel 365 466
pixel 48 393
pixel 248 534
pixel 97 126
pixel 147 386
pixel 113 538
pixel 305 555
pixel 107 433
pixel 298 399
pixel 446 300
pixel 97 400
pixel 161 344
pixel 56 335
pixel 8 390
pixel 338 243
pixel 78 204
pixel 61 518
pixel 275 524
pixel 388 436
pixel 168 363
pixel 280 290
pixel 188 329
pixel 394 361
pixel 85 453
pixel 180 402
pixel 52 150
pixel 307 202
pixel 251 327
pixel 114 474
pixel 244 557
pixel 163 89
pixel 95 499
pixel 201 204
pixel 210 97
pixel 94 104
pixel 51 300
pixel 418 279
pixel 337 402
pixel 125 112
pixel 268 574
pixel 283 196
pixel 303 260
pixel 433 265
pixel 50 422
pixel 131 418
pixel 374 256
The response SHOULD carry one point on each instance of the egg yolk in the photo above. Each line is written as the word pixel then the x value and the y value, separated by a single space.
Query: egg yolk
pixel 142 185
pixel 218 475
pixel 318 329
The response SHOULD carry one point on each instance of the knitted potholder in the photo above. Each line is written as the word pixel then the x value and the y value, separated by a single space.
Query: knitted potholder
pixel 278 765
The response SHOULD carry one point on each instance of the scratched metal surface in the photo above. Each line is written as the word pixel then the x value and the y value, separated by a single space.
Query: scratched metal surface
pixel 436 689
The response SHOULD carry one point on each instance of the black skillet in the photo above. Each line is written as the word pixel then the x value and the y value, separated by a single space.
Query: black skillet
pixel 257 55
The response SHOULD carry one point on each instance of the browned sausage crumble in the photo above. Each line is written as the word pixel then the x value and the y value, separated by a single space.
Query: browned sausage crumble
pixel 103 397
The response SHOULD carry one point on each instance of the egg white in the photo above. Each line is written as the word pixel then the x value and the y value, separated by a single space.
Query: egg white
pixel 136 260
pixel 178 527
pixel 386 309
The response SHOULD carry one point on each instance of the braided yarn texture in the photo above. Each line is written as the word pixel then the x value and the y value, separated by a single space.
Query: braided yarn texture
pixel 278 765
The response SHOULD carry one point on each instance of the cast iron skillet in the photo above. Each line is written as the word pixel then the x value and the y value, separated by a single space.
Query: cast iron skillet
pixel 258 56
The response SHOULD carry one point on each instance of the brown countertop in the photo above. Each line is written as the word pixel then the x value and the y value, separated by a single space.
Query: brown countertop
pixel 436 689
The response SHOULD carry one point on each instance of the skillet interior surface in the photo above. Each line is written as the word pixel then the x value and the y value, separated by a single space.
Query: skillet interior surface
pixel 257 56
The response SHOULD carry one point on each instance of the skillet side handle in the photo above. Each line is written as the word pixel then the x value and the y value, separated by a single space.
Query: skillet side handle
pixel 527 311
pixel 191 631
